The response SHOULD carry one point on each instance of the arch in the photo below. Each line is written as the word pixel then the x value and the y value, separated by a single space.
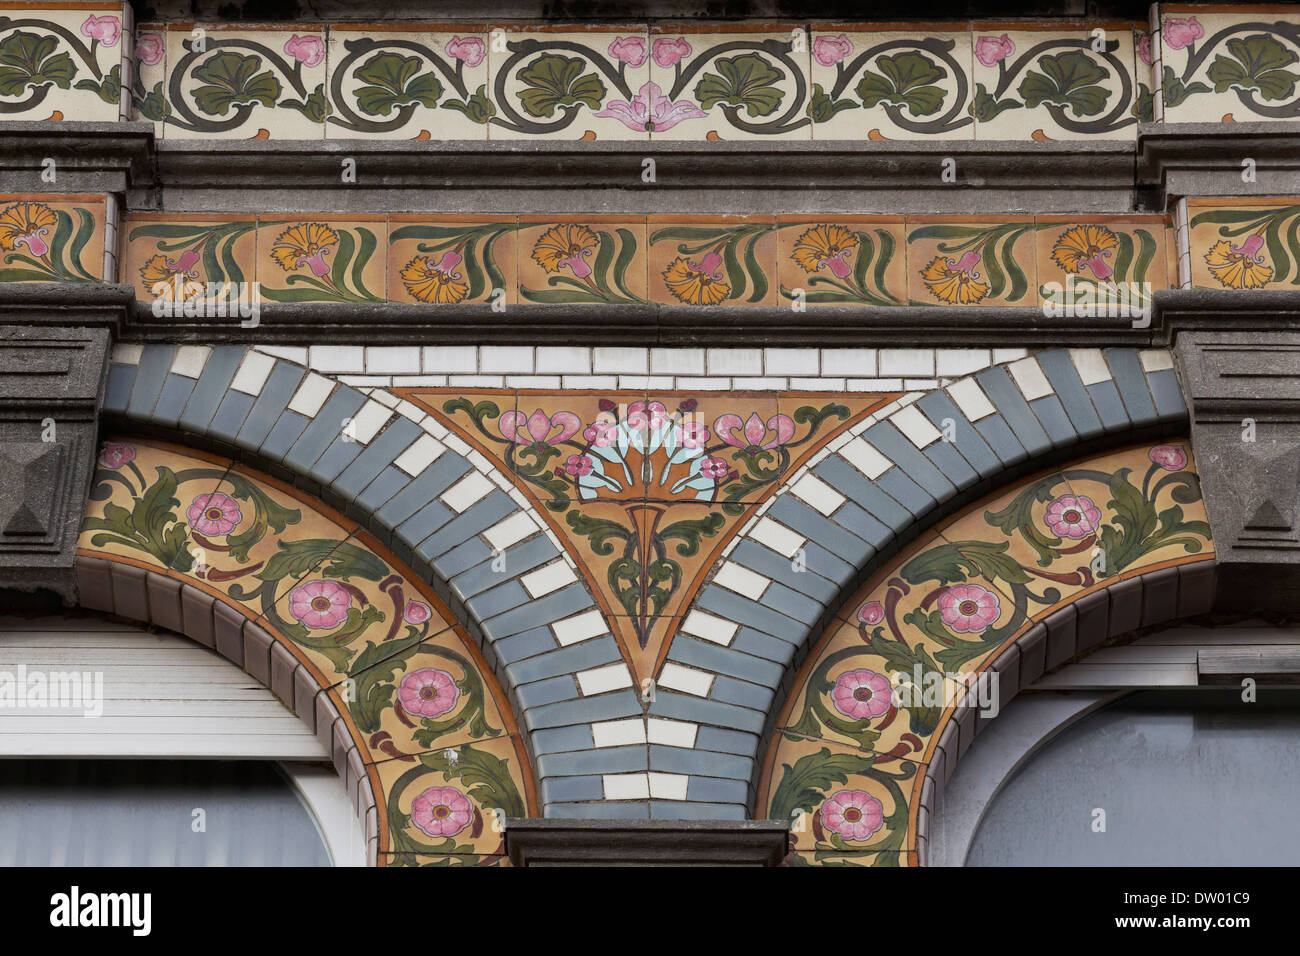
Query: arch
pixel 317 609
pixel 1020 582
pixel 441 507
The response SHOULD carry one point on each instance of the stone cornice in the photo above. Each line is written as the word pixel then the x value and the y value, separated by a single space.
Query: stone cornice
pixel 1206 159
pixel 88 157
pixel 647 842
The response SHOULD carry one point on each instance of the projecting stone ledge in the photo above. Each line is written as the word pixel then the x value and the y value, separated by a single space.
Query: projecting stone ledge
pixel 647 842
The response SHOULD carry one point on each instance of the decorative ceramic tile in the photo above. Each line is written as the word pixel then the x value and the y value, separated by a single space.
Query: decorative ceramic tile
pixel 645 489
pixel 1050 81
pixel 891 81
pixel 450 259
pixel 583 82
pixel 149 84
pixel 966 260
pixel 594 260
pixel 1244 243
pixel 408 82
pixel 165 252
pixel 1230 64
pixel 322 259
pixel 47 240
pixel 61 61
pixel 729 81
pixel 941 611
pixel 712 260
pixel 449 859
pixel 256 81
pixel 842 260
pixel 1103 252
pixel 423 708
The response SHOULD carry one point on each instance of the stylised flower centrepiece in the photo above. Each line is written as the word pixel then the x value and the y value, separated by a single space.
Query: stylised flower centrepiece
pixel 439 282
pixel 320 605
pixel 566 246
pixel 1086 247
pixel 853 814
pixel 651 111
pixel 441 812
pixel 214 514
pixel 1239 267
pixel 956 283
pixel 168 278
pixel 27 224
pixel 825 247
pixel 968 608
pixel 1072 516
pixel 862 694
pixel 428 693
pixel 754 432
pixel 697 283
pixel 1169 457
pixel 305 244
pixel 537 428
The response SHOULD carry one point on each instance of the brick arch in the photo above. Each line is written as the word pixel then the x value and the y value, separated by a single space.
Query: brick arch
pixel 236 585
pixel 441 507
pixel 868 494
pixel 994 595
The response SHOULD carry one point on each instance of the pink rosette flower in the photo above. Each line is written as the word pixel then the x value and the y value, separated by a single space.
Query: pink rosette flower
pixel 538 427
pixel 862 695
pixel 728 428
pixel 830 50
pixel 307 50
pixel 1178 33
pixel 576 466
pixel 968 608
pixel 1169 457
pixel 471 50
pixel 214 514
pixel 668 51
pixel 601 434
pixel 715 468
pixel 416 612
pixel 650 111
pixel 631 50
pixel 1072 516
pixel 992 50
pixel 104 29
pixel 149 48
pixel 441 812
pixel 646 416
pixel 853 814
pixel 1144 48
pixel 871 613
pixel 115 454
pixel 428 693
pixel 320 605
pixel 694 435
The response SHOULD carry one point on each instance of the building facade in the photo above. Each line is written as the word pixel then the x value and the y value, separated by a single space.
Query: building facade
pixel 654 438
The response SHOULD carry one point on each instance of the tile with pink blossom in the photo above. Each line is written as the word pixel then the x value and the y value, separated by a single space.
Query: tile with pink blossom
pixel 891 81
pixel 730 81
pixel 1053 81
pixel 570 83
pixel 256 81
pixel 62 63
pixel 322 259
pixel 149 85
pixel 408 82
pixel 1222 64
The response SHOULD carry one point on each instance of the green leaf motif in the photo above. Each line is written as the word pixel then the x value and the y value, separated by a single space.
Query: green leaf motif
pixel 1256 63
pixel 394 80
pixel 150 526
pixel 805 785
pixel 315 106
pixel 1068 79
pixel 984 106
pixel 1175 91
pixel 485 776
pixel 821 108
pixel 477 106
pixel 29 59
pixel 747 80
pixel 152 105
pixel 905 79
pixel 232 79
pixel 109 89
pixel 554 81
pixel 1144 107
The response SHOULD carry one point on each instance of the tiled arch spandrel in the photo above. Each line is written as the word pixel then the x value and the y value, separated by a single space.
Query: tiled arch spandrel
pixel 923 655
pixel 313 606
